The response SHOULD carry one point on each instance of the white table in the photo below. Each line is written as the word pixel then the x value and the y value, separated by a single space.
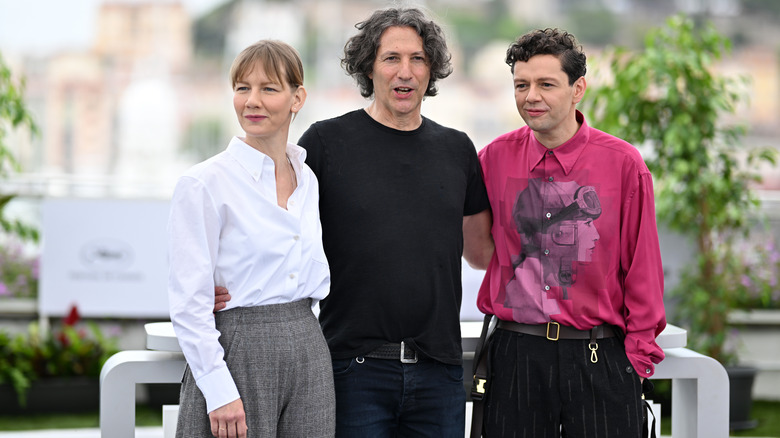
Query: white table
pixel 700 385
pixel 162 363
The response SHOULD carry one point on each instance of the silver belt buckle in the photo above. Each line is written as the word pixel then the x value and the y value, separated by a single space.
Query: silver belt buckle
pixel 403 358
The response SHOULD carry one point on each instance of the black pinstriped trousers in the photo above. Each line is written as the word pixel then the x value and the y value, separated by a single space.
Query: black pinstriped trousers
pixel 281 364
pixel 551 389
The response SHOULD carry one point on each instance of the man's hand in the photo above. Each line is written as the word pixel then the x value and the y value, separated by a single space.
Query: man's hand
pixel 221 297
pixel 229 421
pixel 478 246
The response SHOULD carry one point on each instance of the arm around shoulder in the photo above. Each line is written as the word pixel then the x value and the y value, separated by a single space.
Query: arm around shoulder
pixel 478 245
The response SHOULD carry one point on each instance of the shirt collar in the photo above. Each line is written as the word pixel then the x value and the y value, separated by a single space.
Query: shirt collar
pixel 297 154
pixel 253 161
pixel 567 153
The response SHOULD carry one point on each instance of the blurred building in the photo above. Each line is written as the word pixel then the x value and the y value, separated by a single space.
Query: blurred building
pixel 111 112
pixel 151 95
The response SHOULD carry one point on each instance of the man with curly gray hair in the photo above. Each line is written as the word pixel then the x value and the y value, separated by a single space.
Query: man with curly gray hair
pixel 399 196
pixel 396 191
pixel 360 51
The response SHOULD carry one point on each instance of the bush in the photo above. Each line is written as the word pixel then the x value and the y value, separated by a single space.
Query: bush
pixel 18 272
pixel 669 99
pixel 760 273
pixel 72 350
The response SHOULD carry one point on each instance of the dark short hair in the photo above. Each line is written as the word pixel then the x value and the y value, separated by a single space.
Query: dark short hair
pixel 559 43
pixel 360 50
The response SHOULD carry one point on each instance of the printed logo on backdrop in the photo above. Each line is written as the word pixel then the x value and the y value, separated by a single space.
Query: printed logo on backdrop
pixel 106 259
pixel 107 256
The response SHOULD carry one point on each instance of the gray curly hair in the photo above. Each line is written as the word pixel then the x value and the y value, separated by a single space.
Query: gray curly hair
pixel 360 50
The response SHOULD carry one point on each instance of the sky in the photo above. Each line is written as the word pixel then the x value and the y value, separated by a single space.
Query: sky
pixel 41 27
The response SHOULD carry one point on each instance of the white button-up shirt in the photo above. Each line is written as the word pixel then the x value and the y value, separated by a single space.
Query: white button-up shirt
pixel 226 229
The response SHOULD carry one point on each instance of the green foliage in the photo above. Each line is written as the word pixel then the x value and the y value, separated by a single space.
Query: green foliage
pixel 145 415
pixel 14 368
pixel 705 302
pixel 204 138
pixel 13 115
pixel 765 412
pixel 764 8
pixel 476 30
pixel 15 227
pixel 70 351
pixel 209 31
pixel 759 273
pixel 13 112
pixel 18 272
pixel 593 25
pixel 668 98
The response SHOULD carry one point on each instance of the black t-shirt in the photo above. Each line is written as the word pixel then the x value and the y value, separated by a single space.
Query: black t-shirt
pixel 392 205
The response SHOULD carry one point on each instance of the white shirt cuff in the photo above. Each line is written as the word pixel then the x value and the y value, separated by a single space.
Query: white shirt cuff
pixel 218 388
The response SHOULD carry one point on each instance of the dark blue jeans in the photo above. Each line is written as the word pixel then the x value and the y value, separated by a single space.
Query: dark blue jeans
pixel 384 398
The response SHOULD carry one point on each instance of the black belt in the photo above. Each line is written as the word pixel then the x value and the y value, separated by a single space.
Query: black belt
pixel 402 352
pixel 554 331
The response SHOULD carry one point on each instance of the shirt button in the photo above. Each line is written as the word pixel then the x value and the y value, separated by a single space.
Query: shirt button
pixel 548 215
pixel 648 371
pixel 546 252
pixel 629 369
pixel 292 276
pixel 551 179
pixel 292 202
pixel 549 152
pixel 296 237
pixel 546 287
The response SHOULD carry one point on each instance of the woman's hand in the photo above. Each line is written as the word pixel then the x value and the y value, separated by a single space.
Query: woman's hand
pixel 229 421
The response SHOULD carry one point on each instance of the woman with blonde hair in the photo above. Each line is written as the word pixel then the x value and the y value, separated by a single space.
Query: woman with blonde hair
pixel 247 219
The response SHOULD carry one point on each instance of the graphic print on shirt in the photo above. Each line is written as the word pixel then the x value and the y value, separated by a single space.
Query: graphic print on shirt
pixel 555 223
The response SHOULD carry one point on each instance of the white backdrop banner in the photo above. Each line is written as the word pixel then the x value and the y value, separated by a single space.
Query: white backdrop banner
pixel 108 257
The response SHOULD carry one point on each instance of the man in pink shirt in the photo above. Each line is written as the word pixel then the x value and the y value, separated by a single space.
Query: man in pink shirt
pixel 576 280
